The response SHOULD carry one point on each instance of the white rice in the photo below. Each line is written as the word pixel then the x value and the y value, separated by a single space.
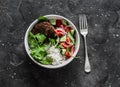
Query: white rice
pixel 55 54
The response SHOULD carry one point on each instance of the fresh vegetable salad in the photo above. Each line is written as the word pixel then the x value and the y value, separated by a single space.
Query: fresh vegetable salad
pixel 51 41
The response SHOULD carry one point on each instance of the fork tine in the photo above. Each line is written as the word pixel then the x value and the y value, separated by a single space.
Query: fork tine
pixel 84 17
pixel 85 22
pixel 81 21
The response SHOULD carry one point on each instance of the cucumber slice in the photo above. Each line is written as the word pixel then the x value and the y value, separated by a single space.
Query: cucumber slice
pixel 71 37
pixel 63 38
pixel 58 40
pixel 52 21
pixel 65 22
pixel 63 51
pixel 72 31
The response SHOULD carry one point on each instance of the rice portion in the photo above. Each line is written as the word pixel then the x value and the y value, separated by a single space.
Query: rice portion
pixel 55 54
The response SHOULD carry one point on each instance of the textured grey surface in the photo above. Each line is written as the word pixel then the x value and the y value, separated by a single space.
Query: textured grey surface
pixel 17 70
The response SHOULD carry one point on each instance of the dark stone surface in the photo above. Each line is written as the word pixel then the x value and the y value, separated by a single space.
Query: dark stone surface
pixel 17 70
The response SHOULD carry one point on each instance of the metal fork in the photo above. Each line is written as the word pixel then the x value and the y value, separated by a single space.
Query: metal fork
pixel 84 31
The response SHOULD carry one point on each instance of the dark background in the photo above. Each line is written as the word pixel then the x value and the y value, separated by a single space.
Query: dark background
pixel 16 68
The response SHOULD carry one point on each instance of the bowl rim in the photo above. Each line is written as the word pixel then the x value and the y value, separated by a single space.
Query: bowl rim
pixel 51 66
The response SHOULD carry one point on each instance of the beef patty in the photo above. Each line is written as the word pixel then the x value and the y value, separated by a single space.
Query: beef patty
pixel 44 28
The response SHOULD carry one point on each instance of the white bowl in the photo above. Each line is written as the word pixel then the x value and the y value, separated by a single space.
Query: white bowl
pixel 77 45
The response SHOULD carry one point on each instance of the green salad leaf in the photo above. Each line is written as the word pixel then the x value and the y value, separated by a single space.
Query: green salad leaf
pixel 52 41
pixel 42 18
pixel 38 53
pixel 32 41
pixel 46 61
pixel 38 49
pixel 40 37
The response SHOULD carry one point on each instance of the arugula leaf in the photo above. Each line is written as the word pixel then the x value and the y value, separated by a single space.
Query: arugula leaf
pixel 40 37
pixel 32 41
pixel 42 18
pixel 58 47
pixel 46 61
pixel 38 53
pixel 52 41
pixel 38 49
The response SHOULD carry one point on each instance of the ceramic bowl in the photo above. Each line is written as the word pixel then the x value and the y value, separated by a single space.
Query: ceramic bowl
pixel 77 45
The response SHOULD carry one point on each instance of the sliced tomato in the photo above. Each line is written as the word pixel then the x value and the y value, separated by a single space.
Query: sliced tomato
pixel 58 22
pixel 72 49
pixel 67 54
pixel 61 30
pixel 67 28
pixel 58 30
pixel 64 45
pixel 62 26
pixel 68 39
pixel 59 33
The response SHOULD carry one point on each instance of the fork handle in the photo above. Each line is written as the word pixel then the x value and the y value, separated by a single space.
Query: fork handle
pixel 87 62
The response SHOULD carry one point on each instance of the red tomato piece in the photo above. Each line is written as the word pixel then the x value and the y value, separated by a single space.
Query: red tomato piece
pixel 67 39
pixel 67 54
pixel 58 32
pixel 64 45
pixel 58 22
pixel 67 29
pixel 72 49
pixel 62 26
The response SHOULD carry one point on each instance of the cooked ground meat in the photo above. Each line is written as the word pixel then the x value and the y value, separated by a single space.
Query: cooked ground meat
pixel 45 28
